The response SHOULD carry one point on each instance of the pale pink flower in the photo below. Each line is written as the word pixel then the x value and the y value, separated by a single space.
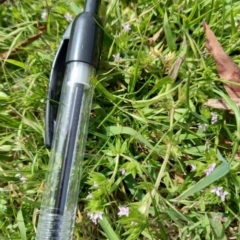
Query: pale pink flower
pixel 193 167
pixel 214 118
pixel 68 17
pixel 89 196
pixel 223 195
pixel 23 179
pixel 126 27
pixel 123 171
pixel 117 57
pixel 217 190
pixel 210 169
pixel 95 216
pixel 123 211
pixel 44 15
pixel 203 127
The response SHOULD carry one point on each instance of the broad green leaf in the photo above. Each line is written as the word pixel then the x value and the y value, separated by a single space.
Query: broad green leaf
pixel 16 63
pixel 116 130
pixel 217 226
pixel 3 96
pixel 195 151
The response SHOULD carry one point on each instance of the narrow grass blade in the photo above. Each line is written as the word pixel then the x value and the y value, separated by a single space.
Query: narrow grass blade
pixel 168 33
pixel 157 6
pixel 201 118
pixel 108 229
pixel 21 225
pixel 159 83
pixel 102 89
pixel 236 111
pixel 144 103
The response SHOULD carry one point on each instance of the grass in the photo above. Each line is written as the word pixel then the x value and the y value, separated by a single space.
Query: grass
pixel 147 148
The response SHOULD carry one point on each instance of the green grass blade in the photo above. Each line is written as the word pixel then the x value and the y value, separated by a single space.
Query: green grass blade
pixel 97 84
pixel 21 225
pixel 144 103
pixel 108 229
pixel 168 33
pixel 236 111
pixel 218 173
pixel 16 63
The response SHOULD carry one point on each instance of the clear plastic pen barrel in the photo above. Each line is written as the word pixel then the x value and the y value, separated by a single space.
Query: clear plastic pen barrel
pixel 59 202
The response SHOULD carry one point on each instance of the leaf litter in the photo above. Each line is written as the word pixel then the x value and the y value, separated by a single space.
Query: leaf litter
pixel 226 68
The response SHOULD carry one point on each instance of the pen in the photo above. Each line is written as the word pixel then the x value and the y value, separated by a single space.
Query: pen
pixel 67 116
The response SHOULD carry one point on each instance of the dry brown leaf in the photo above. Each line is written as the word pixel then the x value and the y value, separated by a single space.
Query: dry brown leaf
pixel 179 178
pixel 154 38
pixel 220 103
pixel 226 68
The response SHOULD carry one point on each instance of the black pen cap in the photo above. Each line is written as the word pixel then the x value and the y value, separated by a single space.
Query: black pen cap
pixel 86 36
pixel 92 6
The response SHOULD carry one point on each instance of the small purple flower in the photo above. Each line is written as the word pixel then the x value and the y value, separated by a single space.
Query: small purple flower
pixel 90 215
pixel 95 184
pixel 126 27
pixel 99 215
pixel 68 17
pixel 23 179
pixel 217 190
pixel 117 57
pixel 203 127
pixel 95 216
pixel 123 171
pixel 44 15
pixel 223 195
pixel 214 118
pixel 89 196
pixel 193 167
pixel 210 169
pixel 123 211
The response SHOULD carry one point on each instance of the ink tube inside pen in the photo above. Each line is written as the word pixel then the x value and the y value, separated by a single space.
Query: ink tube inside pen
pixel 62 183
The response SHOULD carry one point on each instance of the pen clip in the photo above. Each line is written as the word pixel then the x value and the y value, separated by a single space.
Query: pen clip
pixel 55 87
